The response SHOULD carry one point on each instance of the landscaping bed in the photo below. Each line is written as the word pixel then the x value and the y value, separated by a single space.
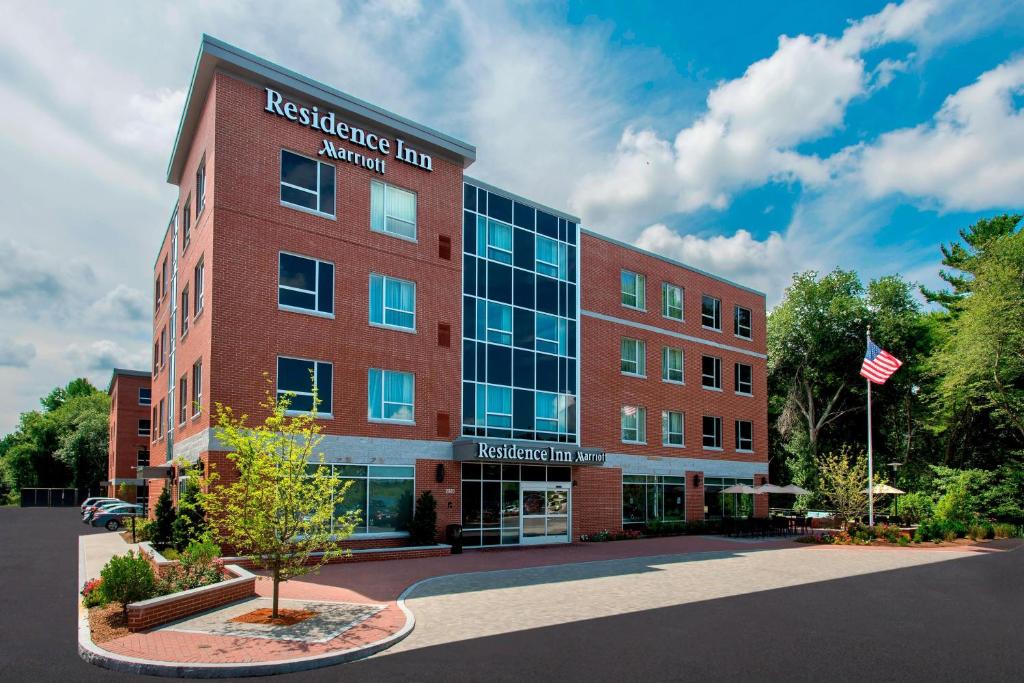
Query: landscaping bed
pixel 935 533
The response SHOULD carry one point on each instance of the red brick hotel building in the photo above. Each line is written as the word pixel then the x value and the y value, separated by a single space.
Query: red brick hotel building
pixel 543 381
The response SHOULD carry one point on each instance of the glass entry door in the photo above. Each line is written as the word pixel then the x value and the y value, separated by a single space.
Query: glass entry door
pixel 544 513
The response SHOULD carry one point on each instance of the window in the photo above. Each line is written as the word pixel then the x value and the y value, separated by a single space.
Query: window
pixel 392 302
pixel 304 284
pixel 672 364
pixel 145 396
pixel 198 283
pixel 712 432
pixel 163 346
pixel 155 422
pixel 499 241
pixel 157 292
pixel 197 387
pixel 182 399
pixel 633 290
pixel 552 413
pixel 551 334
pixel 497 405
pixel 653 498
pixel 741 322
pixel 382 495
pixel 163 279
pixel 711 372
pixel 634 428
pixel 201 187
pixel 499 323
pixel 671 428
pixel 307 184
pixel 184 312
pixel 744 379
pixel 711 313
pixel 392 396
pixel 392 210
pixel 144 427
pixel 671 301
pixel 744 435
pixel 720 504
pixel 299 378
pixel 156 357
pixel 159 418
pixel 142 457
pixel 186 224
pixel 634 357
pixel 551 257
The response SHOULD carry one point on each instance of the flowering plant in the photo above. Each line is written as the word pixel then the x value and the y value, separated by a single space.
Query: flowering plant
pixel 92 593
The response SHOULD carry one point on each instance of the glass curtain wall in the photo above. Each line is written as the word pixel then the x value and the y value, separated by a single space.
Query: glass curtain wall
pixel 383 496
pixel 519 366
pixel 720 504
pixel 647 498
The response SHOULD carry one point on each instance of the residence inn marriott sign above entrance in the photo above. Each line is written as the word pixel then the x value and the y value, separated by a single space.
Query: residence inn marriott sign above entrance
pixel 525 453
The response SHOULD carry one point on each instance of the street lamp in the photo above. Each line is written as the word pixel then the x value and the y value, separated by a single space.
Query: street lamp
pixel 895 471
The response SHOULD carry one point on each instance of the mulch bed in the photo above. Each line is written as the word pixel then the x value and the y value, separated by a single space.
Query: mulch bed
pixel 285 617
pixel 107 623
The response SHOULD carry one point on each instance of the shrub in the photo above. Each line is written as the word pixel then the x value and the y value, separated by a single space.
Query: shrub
pixel 903 541
pixel 423 529
pixel 981 531
pixel 163 524
pixel 190 522
pixel 143 529
pixel 92 594
pixel 128 578
pixel 1005 531
pixel 956 504
pixel 916 506
pixel 199 565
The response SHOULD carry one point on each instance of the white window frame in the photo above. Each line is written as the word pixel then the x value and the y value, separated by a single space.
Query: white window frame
pixel 201 187
pixel 736 323
pixel 561 415
pixel 666 424
pixel 717 436
pixel 383 381
pixel 320 165
pixel 561 332
pixel 149 400
pixel 183 399
pixel 488 329
pixel 186 224
pixel 488 245
pixel 740 441
pixel 185 300
pixel 737 381
pixel 315 311
pixel 146 432
pixel 665 353
pixel 561 254
pixel 717 315
pixel 640 347
pixel 384 228
pixel 197 388
pixel 639 292
pixel 665 287
pixel 384 306
pixel 641 425
pixel 716 377
pixel 199 282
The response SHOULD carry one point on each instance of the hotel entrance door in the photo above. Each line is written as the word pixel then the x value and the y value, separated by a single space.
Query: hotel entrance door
pixel 544 514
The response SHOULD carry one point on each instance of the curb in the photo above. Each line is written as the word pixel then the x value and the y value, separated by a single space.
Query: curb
pixel 93 654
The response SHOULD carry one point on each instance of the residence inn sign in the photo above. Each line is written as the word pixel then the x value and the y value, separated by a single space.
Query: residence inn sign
pixel 511 452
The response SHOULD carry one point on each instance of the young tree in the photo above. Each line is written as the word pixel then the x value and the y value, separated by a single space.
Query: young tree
pixel 163 524
pixel 423 528
pixel 842 479
pixel 190 523
pixel 281 508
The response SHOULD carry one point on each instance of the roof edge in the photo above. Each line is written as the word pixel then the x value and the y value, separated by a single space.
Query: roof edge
pixel 674 262
pixel 522 200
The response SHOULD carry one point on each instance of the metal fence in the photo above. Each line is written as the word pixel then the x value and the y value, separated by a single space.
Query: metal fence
pixel 35 497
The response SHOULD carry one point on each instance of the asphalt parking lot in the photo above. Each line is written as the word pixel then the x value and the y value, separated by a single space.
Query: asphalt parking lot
pixel 958 619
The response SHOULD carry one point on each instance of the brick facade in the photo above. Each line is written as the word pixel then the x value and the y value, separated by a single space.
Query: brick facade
pixel 240 331
pixel 127 409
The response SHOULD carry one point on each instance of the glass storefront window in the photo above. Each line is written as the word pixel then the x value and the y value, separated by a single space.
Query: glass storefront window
pixel 491 505
pixel 383 496
pixel 723 505
pixel 649 498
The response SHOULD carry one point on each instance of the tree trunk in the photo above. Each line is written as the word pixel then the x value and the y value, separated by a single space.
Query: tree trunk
pixel 277 584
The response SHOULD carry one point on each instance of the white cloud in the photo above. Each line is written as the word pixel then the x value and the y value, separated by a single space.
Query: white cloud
pixel 753 125
pixel 103 355
pixel 16 354
pixel 970 156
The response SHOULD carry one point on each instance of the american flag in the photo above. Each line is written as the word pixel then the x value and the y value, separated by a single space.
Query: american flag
pixel 878 364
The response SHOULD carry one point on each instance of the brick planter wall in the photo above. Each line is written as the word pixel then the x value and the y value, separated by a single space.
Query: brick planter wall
pixel 156 611
pixel 370 555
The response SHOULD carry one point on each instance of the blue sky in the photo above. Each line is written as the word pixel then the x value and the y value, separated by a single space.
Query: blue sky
pixel 751 139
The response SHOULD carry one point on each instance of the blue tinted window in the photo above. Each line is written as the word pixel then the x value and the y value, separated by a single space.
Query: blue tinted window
pixel 499 364
pixel 325 288
pixel 481 362
pixel 481 200
pixel 572 232
pixel 468 232
pixel 499 207
pixel 524 216
pixel 469 197
pixel 547 295
pixel 469 274
pixel 524 249
pixel 523 289
pixel 499 282
pixel 547 372
pixel 469 317
pixel 523 368
pixel 468 360
pixel 522 409
pixel 523 328
pixel 547 224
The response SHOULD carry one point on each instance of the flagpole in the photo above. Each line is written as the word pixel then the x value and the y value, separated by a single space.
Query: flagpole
pixel 871 492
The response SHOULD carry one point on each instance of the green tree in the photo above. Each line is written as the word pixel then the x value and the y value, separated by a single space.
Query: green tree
pixel 281 508
pixel 190 523
pixel 842 478
pixel 423 530
pixel 164 516
pixel 981 364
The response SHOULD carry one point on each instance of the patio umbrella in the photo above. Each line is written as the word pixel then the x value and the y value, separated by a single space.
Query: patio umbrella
pixel 770 488
pixel 739 488
pixel 793 488
pixel 885 488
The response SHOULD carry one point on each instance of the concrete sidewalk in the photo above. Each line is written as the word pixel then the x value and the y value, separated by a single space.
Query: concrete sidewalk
pixel 99 548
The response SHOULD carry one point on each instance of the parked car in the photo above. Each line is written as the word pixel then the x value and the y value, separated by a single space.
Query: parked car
pixel 91 511
pixel 113 518
pixel 96 500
